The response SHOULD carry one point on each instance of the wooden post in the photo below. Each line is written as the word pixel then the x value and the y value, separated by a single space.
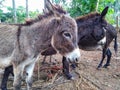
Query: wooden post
pixel 14 11
pixel 27 11
pixel 97 4
pixel 117 23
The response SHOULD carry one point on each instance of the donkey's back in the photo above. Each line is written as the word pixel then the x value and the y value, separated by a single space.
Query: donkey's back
pixel 7 41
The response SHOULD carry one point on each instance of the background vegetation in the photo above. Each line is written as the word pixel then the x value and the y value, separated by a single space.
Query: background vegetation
pixel 74 7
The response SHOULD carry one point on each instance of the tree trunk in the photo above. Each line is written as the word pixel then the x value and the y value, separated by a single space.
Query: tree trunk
pixel 14 11
pixel 27 12
pixel 97 4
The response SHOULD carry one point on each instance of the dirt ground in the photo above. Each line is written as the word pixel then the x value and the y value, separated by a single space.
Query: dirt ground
pixel 104 79
pixel 87 77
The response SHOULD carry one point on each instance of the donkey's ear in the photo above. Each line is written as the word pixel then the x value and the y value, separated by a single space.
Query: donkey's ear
pixel 48 5
pixel 55 22
pixel 63 17
pixel 104 12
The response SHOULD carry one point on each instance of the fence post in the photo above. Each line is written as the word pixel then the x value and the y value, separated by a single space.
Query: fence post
pixel 117 24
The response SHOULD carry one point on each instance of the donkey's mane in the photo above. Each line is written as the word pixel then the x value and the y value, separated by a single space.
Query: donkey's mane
pixel 88 16
pixel 38 18
pixel 45 15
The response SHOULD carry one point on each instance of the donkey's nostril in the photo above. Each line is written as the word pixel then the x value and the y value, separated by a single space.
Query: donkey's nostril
pixel 76 60
pixel 74 55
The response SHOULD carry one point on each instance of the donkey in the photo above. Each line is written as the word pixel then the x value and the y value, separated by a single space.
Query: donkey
pixel 9 70
pixel 93 33
pixel 22 47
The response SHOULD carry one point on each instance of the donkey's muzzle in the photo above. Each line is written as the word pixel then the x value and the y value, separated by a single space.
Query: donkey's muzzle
pixel 73 56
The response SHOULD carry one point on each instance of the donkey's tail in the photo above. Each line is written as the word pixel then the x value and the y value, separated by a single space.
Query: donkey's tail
pixel 115 45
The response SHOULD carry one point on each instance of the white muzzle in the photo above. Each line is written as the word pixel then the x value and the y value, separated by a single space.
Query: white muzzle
pixel 73 56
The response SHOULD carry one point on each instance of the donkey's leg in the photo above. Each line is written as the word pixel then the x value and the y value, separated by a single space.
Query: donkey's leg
pixel 50 58
pixel 66 68
pixel 29 72
pixel 8 70
pixel 103 57
pixel 44 59
pixel 109 54
pixel 18 73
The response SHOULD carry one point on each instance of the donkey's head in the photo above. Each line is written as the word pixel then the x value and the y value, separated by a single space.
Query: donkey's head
pixel 100 24
pixel 64 39
pixel 94 24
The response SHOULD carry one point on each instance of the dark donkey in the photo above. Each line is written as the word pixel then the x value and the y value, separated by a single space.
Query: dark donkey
pixel 20 45
pixel 93 33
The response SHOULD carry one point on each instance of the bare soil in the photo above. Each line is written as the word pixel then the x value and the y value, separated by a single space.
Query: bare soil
pixel 87 77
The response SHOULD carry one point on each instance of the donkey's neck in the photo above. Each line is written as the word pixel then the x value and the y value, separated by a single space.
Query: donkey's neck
pixel 39 35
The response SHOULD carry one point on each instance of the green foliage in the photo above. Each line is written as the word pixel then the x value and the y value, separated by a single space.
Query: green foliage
pixel 58 1
pixel 21 15
pixel 1 11
pixel 6 16
pixel 110 15
pixel 81 7
pixel 33 14
pixel 74 7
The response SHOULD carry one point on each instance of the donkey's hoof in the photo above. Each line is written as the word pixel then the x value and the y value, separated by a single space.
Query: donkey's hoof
pixel 99 66
pixel 3 88
pixel 16 88
pixel 73 66
pixel 106 65
pixel 68 76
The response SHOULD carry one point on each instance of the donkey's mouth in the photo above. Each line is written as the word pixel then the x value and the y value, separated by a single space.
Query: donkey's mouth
pixel 74 61
pixel 73 56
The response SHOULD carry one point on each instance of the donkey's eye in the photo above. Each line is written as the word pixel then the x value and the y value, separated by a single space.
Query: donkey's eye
pixel 67 35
